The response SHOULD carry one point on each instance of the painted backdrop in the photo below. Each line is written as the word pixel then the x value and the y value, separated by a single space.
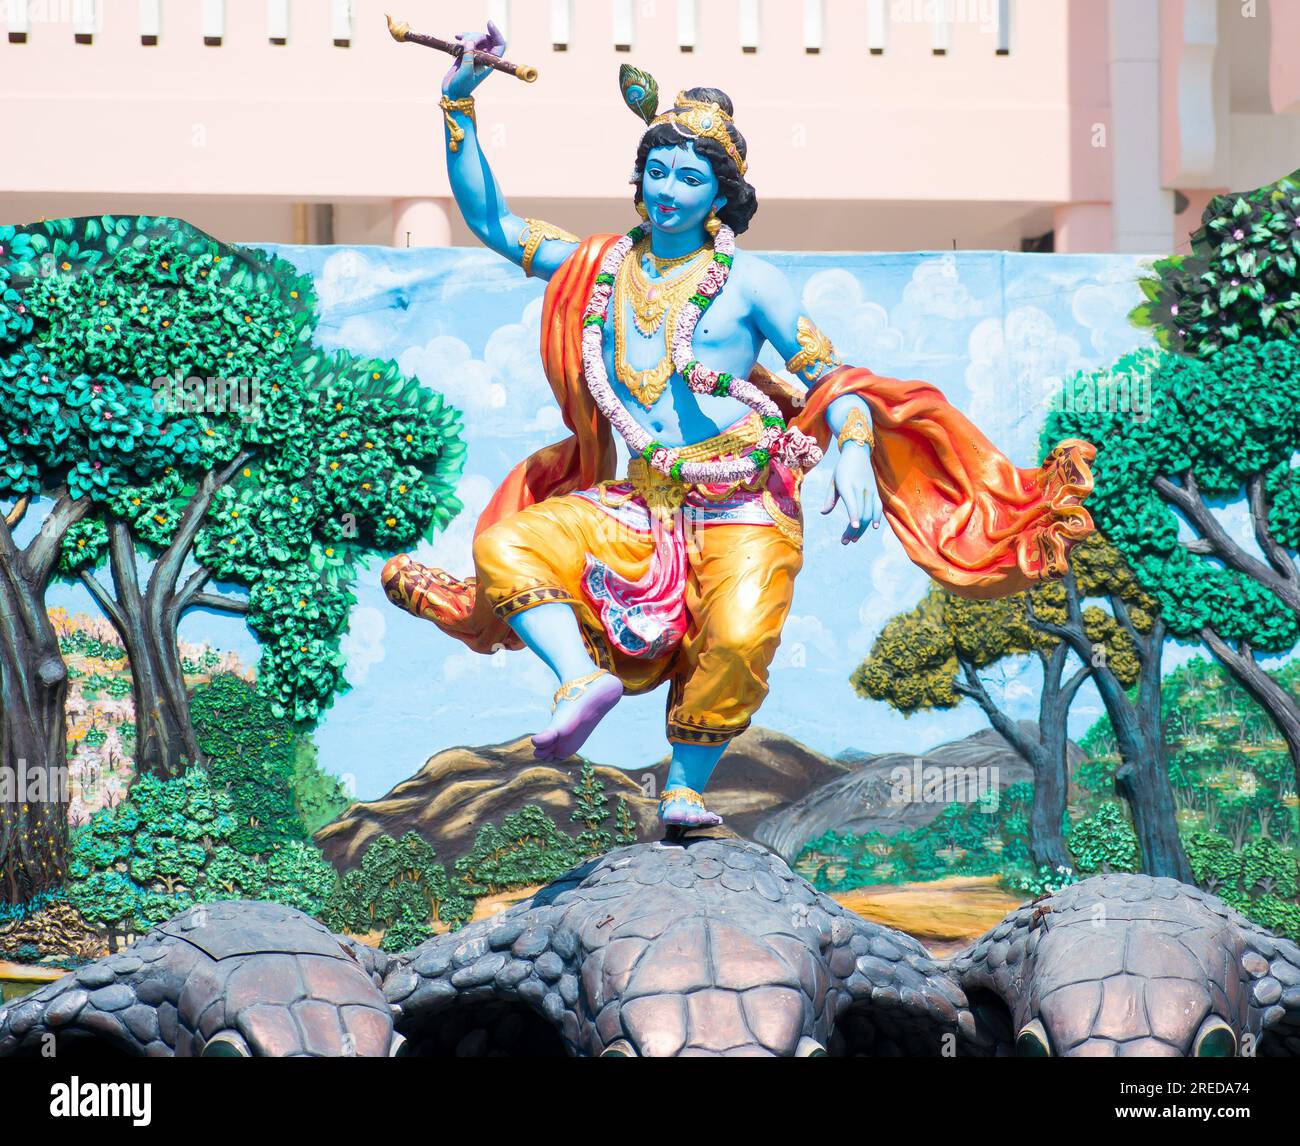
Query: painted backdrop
pixel 997 332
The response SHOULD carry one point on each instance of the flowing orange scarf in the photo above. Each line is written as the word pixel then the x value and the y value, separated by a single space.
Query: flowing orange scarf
pixel 979 525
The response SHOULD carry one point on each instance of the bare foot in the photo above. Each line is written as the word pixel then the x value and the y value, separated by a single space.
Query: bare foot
pixel 575 720
pixel 682 812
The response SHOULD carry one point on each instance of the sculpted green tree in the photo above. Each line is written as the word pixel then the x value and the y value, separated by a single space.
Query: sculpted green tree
pixel 1240 280
pixel 1222 430
pixel 399 884
pixel 624 825
pixel 526 848
pixel 591 810
pixel 73 438
pixel 292 467
pixel 932 658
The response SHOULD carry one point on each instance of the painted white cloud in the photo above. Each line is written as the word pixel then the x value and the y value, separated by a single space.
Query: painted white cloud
pixel 505 393
pixel 858 327
pixel 1016 366
pixel 349 278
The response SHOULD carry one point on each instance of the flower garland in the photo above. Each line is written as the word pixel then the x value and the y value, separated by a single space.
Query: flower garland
pixel 792 447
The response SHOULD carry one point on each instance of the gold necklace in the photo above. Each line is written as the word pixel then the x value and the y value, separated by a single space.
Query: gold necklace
pixel 654 305
pixel 654 297
pixel 662 264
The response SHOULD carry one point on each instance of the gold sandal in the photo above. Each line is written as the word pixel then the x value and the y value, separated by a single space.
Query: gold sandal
pixel 689 795
pixel 573 689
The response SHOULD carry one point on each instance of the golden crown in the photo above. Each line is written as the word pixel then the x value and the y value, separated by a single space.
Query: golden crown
pixel 697 118
pixel 692 117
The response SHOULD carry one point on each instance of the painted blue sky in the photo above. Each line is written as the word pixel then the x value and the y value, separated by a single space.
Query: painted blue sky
pixel 996 331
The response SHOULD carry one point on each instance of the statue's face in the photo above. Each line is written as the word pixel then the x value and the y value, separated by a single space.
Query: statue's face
pixel 679 188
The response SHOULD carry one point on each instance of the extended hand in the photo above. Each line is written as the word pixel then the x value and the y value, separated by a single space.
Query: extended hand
pixel 466 75
pixel 854 483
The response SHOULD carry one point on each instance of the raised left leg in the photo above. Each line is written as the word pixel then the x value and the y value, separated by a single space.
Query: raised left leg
pixel 738 594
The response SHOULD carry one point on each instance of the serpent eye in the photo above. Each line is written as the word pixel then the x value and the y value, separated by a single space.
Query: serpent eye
pixel 227 1044
pixel 1215 1039
pixel 619 1048
pixel 1032 1041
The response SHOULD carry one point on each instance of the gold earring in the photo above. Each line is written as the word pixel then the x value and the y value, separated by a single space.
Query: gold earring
pixel 643 211
pixel 713 225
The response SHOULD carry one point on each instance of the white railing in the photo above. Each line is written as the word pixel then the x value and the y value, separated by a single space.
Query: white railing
pixel 877 26
pixel 85 18
pixel 1003 31
pixel 150 20
pixel 688 24
pixel 750 25
pixel 24 18
pixel 814 25
pixel 624 19
pixel 214 20
pixel 277 21
pixel 561 24
pixel 941 27
pixel 341 21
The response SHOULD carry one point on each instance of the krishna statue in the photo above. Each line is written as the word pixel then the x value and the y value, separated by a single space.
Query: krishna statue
pixel 682 571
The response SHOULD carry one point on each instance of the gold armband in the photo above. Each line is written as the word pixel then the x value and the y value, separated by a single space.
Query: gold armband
pixel 816 354
pixel 857 428
pixel 455 133
pixel 535 233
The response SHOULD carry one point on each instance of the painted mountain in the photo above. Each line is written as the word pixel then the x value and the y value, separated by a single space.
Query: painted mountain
pixel 769 787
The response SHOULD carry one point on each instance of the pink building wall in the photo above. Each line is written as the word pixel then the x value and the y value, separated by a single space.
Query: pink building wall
pixel 848 148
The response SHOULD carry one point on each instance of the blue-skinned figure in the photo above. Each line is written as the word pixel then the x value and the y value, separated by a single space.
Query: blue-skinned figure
pixel 683 572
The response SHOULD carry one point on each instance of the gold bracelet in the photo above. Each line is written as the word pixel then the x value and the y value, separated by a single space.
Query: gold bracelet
pixel 857 428
pixel 816 355
pixel 535 233
pixel 455 132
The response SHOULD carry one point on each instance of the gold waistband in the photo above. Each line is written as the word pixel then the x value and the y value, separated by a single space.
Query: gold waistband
pixel 663 496
pixel 732 442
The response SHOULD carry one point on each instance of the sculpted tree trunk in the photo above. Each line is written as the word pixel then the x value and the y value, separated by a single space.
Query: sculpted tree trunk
pixel 1142 778
pixel 33 692
pixel 148 620
pixel 1277 573
pixel 1046 753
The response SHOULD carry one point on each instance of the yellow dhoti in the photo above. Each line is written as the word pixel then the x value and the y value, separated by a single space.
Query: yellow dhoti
pixel 742 551
pixel 738 592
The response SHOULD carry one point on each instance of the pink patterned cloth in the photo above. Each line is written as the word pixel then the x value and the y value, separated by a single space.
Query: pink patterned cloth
pixel 648 618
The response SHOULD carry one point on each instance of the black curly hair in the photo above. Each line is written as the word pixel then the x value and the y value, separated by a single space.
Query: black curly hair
pixel 742 199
